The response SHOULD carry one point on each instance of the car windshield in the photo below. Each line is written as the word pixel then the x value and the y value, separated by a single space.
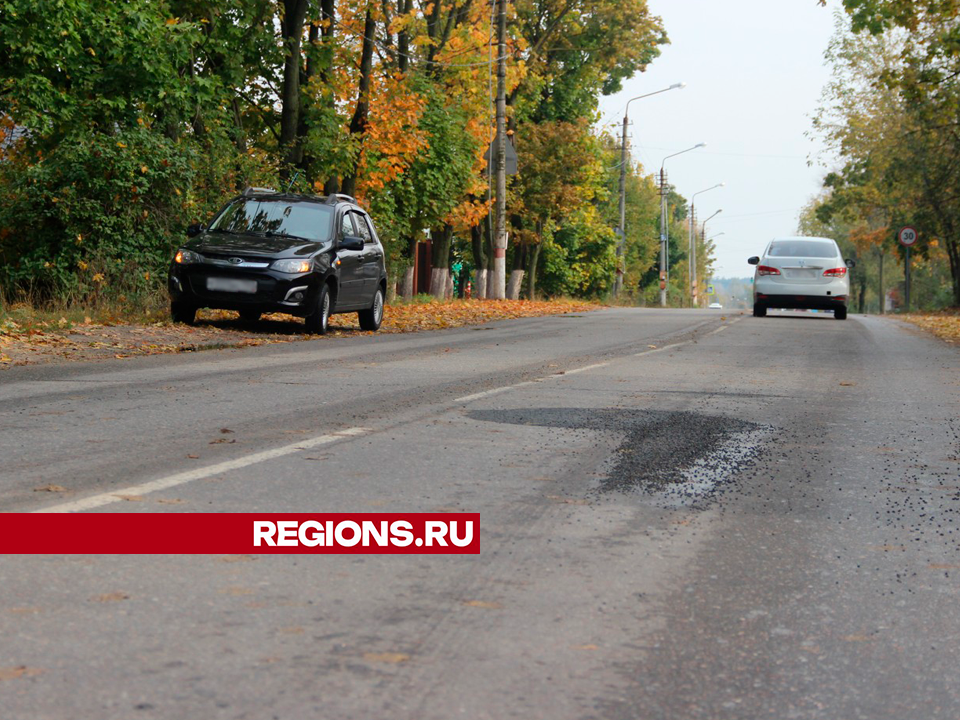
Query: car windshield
pixel 802 248
pixel 307 220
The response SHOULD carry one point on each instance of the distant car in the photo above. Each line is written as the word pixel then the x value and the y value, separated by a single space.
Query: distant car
pixel 715 306
pixel 804 273
pixel 277 252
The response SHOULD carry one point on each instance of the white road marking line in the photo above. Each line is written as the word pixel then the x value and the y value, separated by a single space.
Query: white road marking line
pixel 651 351
pixel 495 391
pixel 582 369
pixel 95 501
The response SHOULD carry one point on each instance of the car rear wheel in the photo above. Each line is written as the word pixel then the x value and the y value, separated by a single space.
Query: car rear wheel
pixel 250 316
pixel 371 318
pixel 318 321
pixel 840 313
pixel 759 310
pixel 183 313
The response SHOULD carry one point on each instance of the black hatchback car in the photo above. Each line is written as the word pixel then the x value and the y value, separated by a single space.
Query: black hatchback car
pixel 279 252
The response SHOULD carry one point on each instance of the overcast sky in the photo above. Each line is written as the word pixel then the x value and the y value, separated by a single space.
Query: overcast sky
pixel 754 72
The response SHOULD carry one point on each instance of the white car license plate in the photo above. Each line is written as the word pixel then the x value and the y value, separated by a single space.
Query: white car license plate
pixel 800 274
pixel 231 285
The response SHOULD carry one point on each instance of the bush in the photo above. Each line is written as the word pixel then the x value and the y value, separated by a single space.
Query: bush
pixel 99 216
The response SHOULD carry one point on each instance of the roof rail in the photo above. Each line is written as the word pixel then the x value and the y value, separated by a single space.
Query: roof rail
pixel 333 198
pixel 251 190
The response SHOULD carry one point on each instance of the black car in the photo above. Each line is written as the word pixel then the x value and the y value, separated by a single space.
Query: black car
pixel 279 252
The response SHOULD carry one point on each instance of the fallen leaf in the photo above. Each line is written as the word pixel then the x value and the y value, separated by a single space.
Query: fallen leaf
pixel 193 457
pixel 18 672
pixel 171 501
pixel 486 604
pixel 24 610
pixel 847 384
pixel 220 441
pixel 51 488
pixel 386 657
pixel 236 591
pixel 859 637
pixel 130 498
pixel 226 430
pixel 652 347
pixel 112 597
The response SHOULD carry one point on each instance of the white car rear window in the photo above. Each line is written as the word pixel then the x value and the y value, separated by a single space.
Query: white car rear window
pixel 802 248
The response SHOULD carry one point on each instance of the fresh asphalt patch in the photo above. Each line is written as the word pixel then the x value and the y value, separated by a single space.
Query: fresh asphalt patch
pixel 677 457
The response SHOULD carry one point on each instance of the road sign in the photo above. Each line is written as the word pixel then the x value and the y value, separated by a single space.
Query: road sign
pixel 907 236
pixel 710 290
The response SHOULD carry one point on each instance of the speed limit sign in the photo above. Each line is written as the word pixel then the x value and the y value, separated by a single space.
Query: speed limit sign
pixel 907 236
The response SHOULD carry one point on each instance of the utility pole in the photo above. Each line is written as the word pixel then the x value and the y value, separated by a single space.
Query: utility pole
pixel 692 249
pixel 664 234
pixel 621 228
pixel 500 241
pixel 664 227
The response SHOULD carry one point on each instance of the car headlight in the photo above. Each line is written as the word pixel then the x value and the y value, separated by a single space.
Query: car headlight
pixel 292 266
pixel 187 257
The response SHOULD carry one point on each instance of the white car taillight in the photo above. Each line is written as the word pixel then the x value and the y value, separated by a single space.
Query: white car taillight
pixel 767 270
pixel 835 272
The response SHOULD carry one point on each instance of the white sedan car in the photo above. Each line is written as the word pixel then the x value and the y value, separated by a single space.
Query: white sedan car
pixel 801 273
pixel 715 306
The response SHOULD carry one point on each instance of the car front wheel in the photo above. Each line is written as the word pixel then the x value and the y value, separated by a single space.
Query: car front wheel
pixel 318 321
pixel 183 313
pixel 371 318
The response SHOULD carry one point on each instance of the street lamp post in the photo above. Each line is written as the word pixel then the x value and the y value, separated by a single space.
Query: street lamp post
pixel 693 244
pixel 703 235
pixel 664 231
pixel 621 233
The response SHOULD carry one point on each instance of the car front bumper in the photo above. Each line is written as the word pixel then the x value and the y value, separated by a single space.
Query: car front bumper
pixel 275 292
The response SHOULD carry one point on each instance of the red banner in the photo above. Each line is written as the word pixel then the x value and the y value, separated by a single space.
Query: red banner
pixel 239 533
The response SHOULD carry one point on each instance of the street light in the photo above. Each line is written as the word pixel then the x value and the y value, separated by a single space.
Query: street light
pixel 704 227
pixel 621 239
pixel 693 244
pixel 664 232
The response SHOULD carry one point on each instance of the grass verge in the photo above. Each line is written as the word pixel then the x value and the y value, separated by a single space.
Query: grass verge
pixel 944 324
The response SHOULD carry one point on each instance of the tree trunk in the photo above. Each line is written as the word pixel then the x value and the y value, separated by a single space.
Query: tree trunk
pixel 442 241
pixel 328 19
pixel 294 14
pixel 883 296
pixel 532 273
pixel 406 289
pixel 448 295
pixel 438 282
pixel 516 282
pixel 403 37
pixel 480 286
pixel 358 125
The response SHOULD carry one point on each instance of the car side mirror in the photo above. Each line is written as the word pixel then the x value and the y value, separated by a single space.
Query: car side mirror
pixel 850 263
pixel 196 229
pixel 754 260
pixel 351 242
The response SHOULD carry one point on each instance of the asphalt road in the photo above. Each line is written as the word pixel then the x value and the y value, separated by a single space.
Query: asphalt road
pixel 683 515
